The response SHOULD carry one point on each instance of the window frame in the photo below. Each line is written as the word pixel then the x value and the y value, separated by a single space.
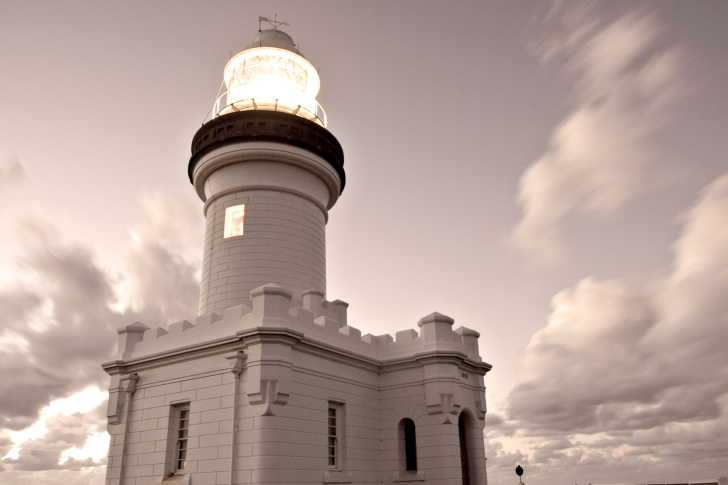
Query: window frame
pixel 410 445
pixel 463 435
pixel 407 449
pixel 177 440
pixel 339 436
pixel 228 226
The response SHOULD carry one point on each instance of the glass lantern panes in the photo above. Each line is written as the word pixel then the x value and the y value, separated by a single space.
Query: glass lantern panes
pixel 264 68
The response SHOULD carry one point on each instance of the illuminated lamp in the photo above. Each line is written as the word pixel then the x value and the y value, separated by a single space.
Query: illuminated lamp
pixel 271 74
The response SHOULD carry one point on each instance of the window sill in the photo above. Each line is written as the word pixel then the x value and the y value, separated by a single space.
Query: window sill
pixel 337 476
pixel 177 479
pixel 418 476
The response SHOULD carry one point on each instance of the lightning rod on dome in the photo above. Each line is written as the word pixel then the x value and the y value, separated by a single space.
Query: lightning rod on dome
pixel 275 23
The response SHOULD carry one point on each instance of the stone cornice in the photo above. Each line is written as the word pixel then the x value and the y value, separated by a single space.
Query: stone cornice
pixel 181 354
pixel 270 335
pixel 322 349
pixel 449 356
pixel 300 342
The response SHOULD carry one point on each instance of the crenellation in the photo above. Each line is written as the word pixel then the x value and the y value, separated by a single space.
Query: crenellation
pixel 351 332
pixel 207 319
pixel 129 336
pixel 384 339
pixel 437 330
pixel 339 309
pixel 318 318
pixel 406 335
pixel 469 339
pixel 327 324
pixel 313 301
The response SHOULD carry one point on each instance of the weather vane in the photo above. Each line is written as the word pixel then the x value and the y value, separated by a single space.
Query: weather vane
pixel 275 22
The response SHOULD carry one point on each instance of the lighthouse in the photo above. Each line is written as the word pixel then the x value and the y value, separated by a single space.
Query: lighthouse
pixel 269 383
pixel 268 172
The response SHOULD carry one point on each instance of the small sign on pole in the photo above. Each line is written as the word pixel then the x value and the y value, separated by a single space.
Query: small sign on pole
pixel 519 472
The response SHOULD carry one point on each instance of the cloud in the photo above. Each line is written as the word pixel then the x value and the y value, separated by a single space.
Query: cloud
pixel 635 374
pixel 64 432
pixel 161 284
pixel 12 169
pixel 604 321
pixel 56 324
pixel 172 220
pixel 161 267
pixel 64 426
pixel 622 88
pixel 91 476
pixel 59 312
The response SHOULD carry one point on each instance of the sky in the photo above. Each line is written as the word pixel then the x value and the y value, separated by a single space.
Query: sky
pixel 552 175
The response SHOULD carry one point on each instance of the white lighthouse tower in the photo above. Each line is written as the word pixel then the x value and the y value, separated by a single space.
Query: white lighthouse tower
pixel 268 172
pixel 269 384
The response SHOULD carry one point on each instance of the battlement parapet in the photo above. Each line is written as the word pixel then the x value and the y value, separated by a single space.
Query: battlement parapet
pixel 318 319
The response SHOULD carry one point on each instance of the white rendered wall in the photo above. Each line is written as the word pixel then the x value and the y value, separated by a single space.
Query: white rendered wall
pixel 207 385
pixel 284 242
pixel 287 192
pixel 286 443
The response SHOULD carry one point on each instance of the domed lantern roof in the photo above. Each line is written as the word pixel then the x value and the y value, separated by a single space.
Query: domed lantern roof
pixel 274 38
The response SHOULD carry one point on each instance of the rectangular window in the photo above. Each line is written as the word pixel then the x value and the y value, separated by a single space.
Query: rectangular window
pixel 333 438
pixel 183 424
pixel 336 436
pixel 234 218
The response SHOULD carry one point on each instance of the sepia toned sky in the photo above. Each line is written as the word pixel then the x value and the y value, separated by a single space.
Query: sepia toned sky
pixel 552 175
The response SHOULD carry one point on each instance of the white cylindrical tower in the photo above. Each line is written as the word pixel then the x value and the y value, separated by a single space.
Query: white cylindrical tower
pixel 268 171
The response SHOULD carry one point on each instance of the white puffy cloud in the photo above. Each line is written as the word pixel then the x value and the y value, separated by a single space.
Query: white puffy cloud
pixel 161 284
pixel 633 376
pixel 63 423
pixel 56 324
pixel 161 266
pixel 59 311
pixel 172 220
pixel 623 85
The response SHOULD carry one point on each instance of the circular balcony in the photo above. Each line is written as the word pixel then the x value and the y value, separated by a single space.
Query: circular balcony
pixel 227 103
pixel 261 125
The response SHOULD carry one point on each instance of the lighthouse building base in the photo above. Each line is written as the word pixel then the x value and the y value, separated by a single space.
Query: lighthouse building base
pixel 288 393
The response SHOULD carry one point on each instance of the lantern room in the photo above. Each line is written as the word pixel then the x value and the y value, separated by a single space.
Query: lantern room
pixel 271 74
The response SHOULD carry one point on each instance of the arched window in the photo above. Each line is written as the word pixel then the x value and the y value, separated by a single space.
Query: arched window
pixel 464 465
pixel 408 444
